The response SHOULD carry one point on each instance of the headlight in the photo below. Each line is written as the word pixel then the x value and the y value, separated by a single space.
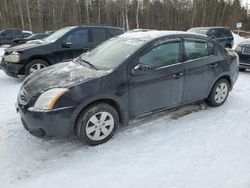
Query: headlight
pixel 14 57
pixel 238 49
pixel 47 100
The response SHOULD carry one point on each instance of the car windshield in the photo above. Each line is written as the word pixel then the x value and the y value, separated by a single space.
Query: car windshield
pixel 113 52
pixel 31 36
pixel 58 34
pixel 199 31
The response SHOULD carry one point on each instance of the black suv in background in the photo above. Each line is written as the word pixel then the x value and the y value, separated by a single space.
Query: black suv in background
pixel 63 45
pixel 223 35
pixel 7 35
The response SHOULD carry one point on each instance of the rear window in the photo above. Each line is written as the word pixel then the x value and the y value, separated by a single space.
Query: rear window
pixel 198 49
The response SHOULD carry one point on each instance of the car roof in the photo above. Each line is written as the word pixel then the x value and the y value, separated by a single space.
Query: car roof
pixel 206 28
pixel 93 26
pixel 154 34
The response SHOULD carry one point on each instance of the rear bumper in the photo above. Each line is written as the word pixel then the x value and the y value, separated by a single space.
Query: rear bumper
pixel 12 69
pixel 49 124
pixel 244 65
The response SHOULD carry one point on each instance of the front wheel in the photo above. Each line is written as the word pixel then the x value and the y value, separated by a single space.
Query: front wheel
pixel 219 93
pixel 97 124
pixel 35 65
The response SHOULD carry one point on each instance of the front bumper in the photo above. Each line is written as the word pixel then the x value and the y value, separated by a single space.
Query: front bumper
pixel 49 124
pixel 12 69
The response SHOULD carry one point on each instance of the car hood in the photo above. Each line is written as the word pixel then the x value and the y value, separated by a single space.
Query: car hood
pixel 60 75
pixel 245 43
pixel 25 46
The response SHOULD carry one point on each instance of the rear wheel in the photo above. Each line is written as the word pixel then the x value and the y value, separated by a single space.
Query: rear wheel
pixel 219 93
pixel 97 124
pixel 35 65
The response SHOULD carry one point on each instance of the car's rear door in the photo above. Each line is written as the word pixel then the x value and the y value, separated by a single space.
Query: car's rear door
pixel 200 65
pixel 161 87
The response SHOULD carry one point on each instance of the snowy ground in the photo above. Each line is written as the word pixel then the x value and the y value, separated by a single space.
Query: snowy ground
pixel 192 147
pixel 206 148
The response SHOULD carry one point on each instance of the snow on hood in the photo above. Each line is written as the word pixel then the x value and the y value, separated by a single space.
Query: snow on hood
pixel 60 75
pixel 25 46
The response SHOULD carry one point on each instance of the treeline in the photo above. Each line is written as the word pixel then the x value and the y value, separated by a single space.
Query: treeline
pixel 46 15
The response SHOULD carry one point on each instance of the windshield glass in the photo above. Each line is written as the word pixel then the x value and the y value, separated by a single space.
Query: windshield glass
pixel 113 52
pixel 31 36
pixel 58 34
pixel 199 31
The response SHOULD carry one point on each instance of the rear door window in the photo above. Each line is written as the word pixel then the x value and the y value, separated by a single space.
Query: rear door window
pixel 197 49
pixel 99 35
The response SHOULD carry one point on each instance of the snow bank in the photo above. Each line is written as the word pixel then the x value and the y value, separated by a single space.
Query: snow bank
pixel 207 148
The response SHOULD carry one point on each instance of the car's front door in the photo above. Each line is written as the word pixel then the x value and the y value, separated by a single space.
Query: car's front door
pixel 156 78
pixel 200 66
pixel 72 45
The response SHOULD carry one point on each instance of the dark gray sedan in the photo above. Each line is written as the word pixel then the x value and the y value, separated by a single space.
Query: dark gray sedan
pixel 125 77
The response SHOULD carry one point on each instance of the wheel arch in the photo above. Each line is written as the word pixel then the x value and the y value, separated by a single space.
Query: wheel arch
pixel 227 77
pixel 41 57
pixel 108 101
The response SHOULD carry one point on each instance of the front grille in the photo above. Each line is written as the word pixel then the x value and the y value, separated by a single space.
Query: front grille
pixel 246 51
pixel 23 97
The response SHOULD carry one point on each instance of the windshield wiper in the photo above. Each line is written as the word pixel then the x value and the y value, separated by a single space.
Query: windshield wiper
pixel 86 62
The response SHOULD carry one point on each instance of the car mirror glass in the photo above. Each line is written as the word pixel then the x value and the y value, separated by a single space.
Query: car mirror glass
pixel 142 69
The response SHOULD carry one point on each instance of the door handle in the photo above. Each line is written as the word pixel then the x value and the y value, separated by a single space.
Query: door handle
pixel 177 75
pixel 214 65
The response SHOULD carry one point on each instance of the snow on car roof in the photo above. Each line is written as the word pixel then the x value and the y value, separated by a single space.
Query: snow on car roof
pixel 149 35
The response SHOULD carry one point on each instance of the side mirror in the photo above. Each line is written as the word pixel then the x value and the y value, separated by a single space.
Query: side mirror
pixel 66 44
pixel 141 69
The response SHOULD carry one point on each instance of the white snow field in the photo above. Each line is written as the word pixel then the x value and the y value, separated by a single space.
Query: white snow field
pixel 207 148
pixel 192 147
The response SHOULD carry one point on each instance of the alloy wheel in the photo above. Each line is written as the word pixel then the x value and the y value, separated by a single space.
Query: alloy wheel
pixel 100 126
pixel 36 67
pixel 221 93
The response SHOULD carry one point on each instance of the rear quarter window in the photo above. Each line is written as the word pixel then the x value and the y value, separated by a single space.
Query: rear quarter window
pixel 198 49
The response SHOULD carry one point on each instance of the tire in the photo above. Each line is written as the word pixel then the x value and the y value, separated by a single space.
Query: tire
pixel 90 127
pixel 242 69
pixel 219 93
pixel 35 65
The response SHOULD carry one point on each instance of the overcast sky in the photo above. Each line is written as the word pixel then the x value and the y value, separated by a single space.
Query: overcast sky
pixel 244 2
